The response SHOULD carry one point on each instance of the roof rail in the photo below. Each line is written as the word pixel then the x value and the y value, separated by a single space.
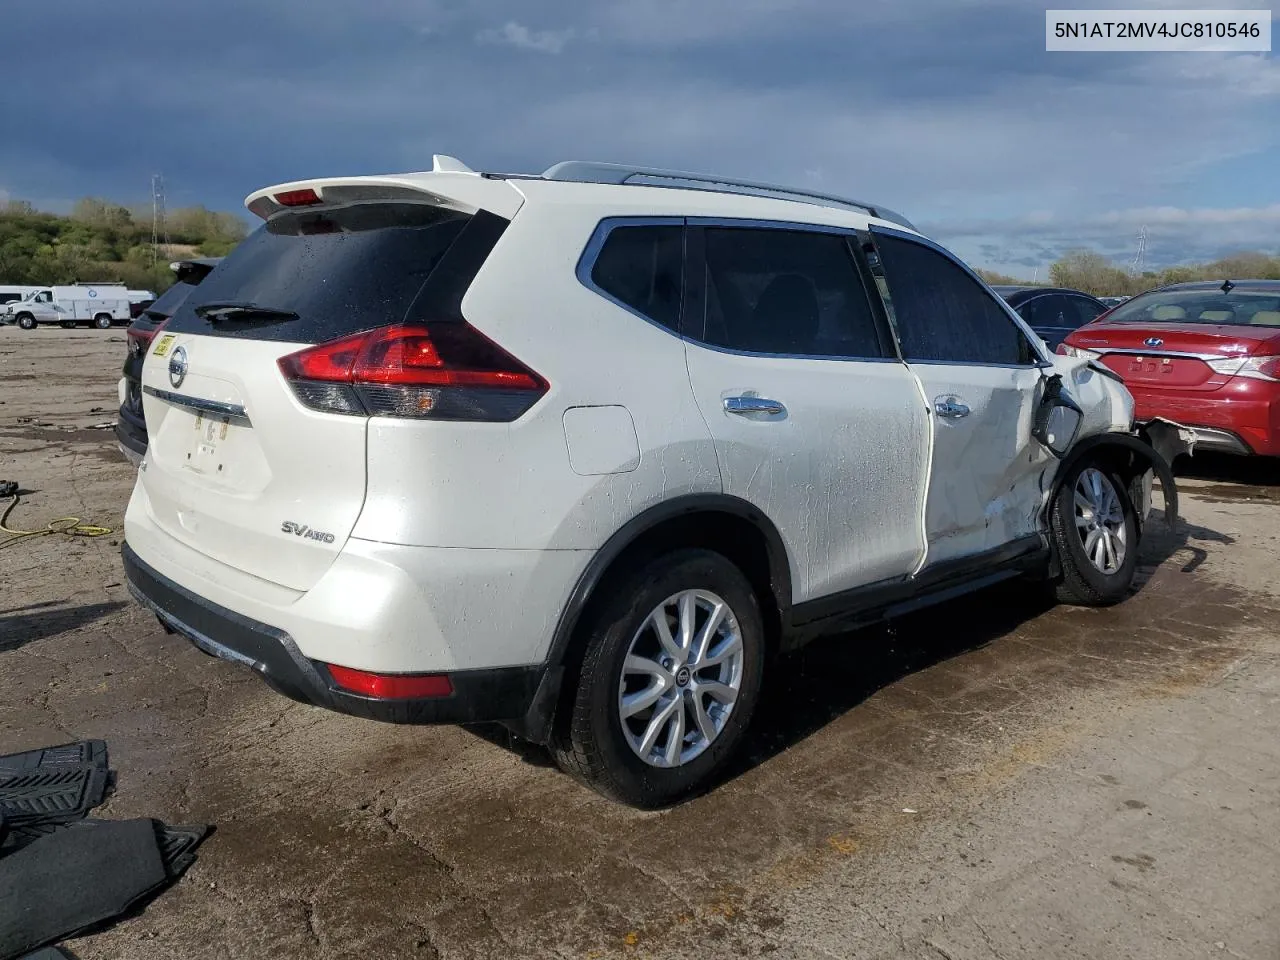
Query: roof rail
pixel 587 171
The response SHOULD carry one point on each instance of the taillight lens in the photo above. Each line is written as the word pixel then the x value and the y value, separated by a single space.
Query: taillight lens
pixel 1256 368
pixel 139 340
pixel 422 371
pixel 1066 350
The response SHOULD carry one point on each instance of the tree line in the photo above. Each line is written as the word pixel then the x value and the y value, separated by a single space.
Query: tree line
pixel 105 241
pixel 1093 273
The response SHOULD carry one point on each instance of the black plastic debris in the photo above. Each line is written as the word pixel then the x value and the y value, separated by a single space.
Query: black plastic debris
pixel 54 784
pixel 61 874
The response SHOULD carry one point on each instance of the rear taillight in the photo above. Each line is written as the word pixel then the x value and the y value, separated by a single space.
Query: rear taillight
pixel 427 371
pixel 1255 368
pixel 1066 350
pixel 139 340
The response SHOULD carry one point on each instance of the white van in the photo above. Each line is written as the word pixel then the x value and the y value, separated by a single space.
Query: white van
pixel 70 306
pixel 12 294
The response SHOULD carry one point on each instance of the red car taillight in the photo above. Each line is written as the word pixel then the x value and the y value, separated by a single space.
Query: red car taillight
pixel 140 340
pixel 433 371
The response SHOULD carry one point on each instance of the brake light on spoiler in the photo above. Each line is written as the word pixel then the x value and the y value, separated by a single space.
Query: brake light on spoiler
pixel 422 371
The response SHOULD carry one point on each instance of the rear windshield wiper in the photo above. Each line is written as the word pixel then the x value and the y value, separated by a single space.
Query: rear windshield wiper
pixel 235 310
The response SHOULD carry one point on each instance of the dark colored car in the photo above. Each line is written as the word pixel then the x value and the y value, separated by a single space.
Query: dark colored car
pixel 1205 354
pixel 131 427
pixel 1052 312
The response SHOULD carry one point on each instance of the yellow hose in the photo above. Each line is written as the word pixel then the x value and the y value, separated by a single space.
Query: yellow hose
pixel 67 526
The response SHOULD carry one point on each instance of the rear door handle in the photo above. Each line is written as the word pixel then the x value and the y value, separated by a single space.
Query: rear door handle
pixel 950 408
pixel 744 406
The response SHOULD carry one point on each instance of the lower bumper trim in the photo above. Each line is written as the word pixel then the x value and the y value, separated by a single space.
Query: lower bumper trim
pixel 501 694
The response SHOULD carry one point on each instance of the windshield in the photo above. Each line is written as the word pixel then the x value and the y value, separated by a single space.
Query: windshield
pixel 1237 307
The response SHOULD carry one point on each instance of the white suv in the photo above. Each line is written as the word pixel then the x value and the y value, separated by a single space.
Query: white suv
pixel 577 452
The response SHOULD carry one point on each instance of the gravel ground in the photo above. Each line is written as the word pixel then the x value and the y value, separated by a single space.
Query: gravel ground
pixel 994 778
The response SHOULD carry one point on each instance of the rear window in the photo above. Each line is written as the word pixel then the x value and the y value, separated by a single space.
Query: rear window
pixel 169 301
pixel 343 271
pixel 1237 307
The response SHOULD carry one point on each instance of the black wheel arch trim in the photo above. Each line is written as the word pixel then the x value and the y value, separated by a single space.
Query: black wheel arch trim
pixel 536 725
pixel 642 523
pixel 1143 454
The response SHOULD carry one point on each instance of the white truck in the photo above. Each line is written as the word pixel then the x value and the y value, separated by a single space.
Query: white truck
pixel 70 306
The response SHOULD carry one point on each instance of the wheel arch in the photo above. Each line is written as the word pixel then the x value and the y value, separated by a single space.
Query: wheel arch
pixel 1130 456
pixel 729 525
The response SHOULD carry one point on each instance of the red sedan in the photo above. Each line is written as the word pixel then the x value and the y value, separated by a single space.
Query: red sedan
pixel 1206 355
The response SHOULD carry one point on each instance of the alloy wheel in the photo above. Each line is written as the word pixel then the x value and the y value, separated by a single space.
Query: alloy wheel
pixel 680 678
pixel 1100 520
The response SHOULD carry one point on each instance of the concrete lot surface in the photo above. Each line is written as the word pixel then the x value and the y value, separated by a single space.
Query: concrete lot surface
pixel 994 778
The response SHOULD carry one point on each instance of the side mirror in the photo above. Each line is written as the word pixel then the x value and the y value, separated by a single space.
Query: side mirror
pixel 1058 418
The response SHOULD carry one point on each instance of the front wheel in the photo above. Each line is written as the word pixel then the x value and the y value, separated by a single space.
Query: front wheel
pixel 26 321
pixel 1094 525
pixel 669 680
pixel 102 321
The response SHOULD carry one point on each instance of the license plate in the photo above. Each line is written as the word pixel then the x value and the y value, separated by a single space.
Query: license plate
pixel 210 432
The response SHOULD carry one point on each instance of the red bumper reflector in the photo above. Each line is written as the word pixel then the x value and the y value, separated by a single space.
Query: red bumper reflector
pixel 391 686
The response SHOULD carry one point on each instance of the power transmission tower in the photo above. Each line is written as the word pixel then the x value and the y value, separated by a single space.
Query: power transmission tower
pixel 1140 258
pixel 159 226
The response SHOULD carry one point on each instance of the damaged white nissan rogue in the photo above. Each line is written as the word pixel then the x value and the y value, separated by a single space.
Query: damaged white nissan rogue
pixel 577 452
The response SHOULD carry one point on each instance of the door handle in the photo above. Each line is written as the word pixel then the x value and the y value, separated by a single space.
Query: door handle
pixel 744 406
pixel 950 408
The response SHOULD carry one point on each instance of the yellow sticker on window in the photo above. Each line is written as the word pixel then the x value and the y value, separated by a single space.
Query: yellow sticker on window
pixel 163 345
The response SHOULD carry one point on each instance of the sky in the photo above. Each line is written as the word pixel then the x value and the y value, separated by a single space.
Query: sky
pixel 949 111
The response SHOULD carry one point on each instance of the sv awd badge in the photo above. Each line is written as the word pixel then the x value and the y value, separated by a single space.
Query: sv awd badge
pixel 302 530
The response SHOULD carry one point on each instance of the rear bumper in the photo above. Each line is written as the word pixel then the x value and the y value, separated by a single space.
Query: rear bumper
pixel 500 694
pixel 1241 417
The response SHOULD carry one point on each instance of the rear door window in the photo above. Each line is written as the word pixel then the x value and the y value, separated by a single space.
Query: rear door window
pixel 790 292
pixel 344 270
pixel 942 313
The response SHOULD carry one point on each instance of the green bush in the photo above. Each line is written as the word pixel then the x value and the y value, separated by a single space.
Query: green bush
pixel 102 240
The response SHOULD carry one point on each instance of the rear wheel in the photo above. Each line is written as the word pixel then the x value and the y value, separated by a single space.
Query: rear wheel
pixel 102 321
pixel 26 321
pixel 1095 530
pixel 669 680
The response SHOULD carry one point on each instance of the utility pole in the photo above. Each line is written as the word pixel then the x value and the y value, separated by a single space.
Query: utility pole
pixel 1140 258
pixel 159 226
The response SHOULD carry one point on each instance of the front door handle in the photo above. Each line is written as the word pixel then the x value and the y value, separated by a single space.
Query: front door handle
pixel 950 408
pixel 743 406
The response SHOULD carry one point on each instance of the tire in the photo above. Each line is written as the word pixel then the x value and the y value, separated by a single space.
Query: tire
pixel 1086 581
pixel 26 321
pixel 597 746
pixel 103 321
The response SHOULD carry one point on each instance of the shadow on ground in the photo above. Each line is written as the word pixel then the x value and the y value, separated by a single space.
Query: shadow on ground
pixel 22 625
pixel 810 688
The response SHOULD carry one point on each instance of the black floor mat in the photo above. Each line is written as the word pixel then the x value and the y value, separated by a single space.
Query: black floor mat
pixel 92 752
pixel 53 785
pixel 76 879
pixel 177 843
